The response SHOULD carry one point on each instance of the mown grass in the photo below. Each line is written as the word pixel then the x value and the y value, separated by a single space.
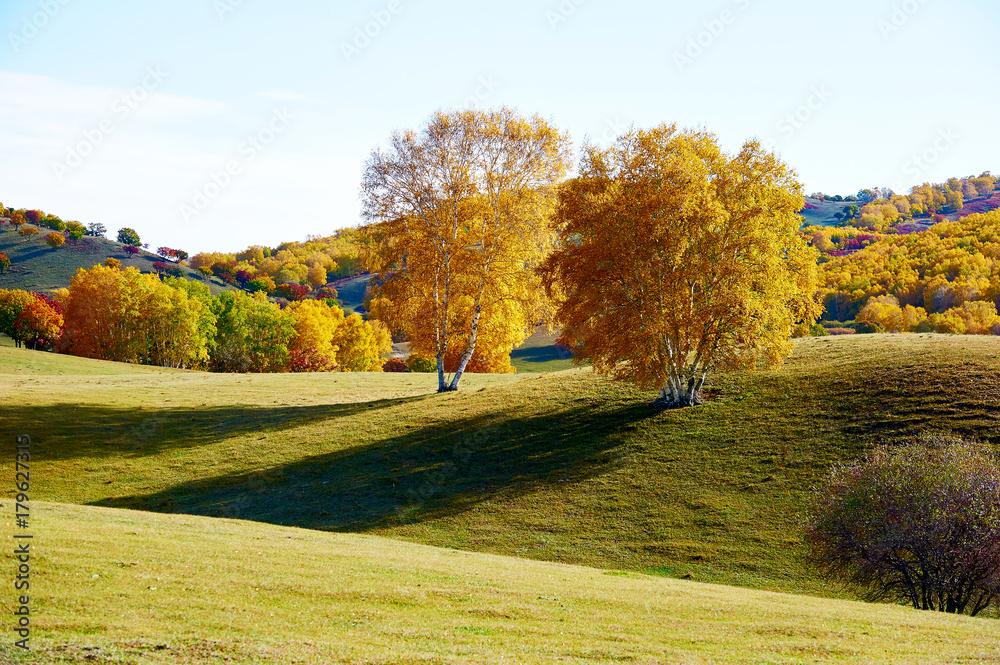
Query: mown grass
pixel 561 467
pixel 113 586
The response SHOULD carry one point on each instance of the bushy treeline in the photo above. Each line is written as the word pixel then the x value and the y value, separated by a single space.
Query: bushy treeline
pixel 20 218
pixel 879 209
pixel 946 279
pixel 124 315
pixel 291 270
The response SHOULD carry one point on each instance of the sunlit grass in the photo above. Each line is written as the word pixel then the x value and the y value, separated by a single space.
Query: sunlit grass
pixel 114 586
pixel 561 467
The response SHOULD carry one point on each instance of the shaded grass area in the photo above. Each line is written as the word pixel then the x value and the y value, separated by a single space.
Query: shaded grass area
pixel 539 353
pixel 117 586
pixel 351 293
pixel 562 467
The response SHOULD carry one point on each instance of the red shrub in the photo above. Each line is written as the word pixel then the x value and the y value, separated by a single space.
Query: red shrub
pixel 292 291
pixel 395 365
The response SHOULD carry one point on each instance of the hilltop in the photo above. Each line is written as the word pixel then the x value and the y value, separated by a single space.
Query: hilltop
pixel 37 267
pixel 563 467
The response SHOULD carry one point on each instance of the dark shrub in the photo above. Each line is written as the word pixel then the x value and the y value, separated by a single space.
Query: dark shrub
pixel 918 523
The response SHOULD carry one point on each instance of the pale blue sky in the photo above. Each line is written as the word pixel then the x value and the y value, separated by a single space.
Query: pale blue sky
pixel 164 96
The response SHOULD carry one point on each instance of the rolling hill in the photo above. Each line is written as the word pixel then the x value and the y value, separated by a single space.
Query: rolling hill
pixel 38 267
pixel 560 467
pixel 118 586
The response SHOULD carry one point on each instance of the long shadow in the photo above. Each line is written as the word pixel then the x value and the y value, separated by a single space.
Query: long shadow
pixel 73 431
pixel 541 354
pixel 417 475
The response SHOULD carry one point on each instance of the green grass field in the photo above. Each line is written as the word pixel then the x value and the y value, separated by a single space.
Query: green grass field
pixel 559 467
pixel 112 586
pixel 37 267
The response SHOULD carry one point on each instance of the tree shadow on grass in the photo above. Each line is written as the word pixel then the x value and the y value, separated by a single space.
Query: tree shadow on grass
pixel 75 431
pixel 419 475
pixel 541 354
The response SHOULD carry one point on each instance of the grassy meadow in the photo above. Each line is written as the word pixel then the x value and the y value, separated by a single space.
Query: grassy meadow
pixel 560 468
pixel 116 586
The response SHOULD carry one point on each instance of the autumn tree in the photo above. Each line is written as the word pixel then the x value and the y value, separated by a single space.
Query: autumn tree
pixel 13 303
pixel 312 347
pixel 4 263
pixel 253 334
pixel 457 218
pixel 75 230
pixel 55 239
pixel 675 258
pixel 127 316
pixel 17 219
pixel 362 346
pixel 127 236
pixel 40 323
pixel 28 231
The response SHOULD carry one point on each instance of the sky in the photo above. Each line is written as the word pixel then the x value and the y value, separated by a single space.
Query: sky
pixel 212 125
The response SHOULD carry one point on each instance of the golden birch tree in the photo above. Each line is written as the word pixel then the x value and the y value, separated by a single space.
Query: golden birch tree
pixel 458 221
pixel 675 258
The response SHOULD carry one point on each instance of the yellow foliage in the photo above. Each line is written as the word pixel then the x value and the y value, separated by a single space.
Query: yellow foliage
pixel 124 315
pixel 363 345
pixel 315 326
pixel 675 258
pixel 459 218
pixel 207 259
pixel 317 276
